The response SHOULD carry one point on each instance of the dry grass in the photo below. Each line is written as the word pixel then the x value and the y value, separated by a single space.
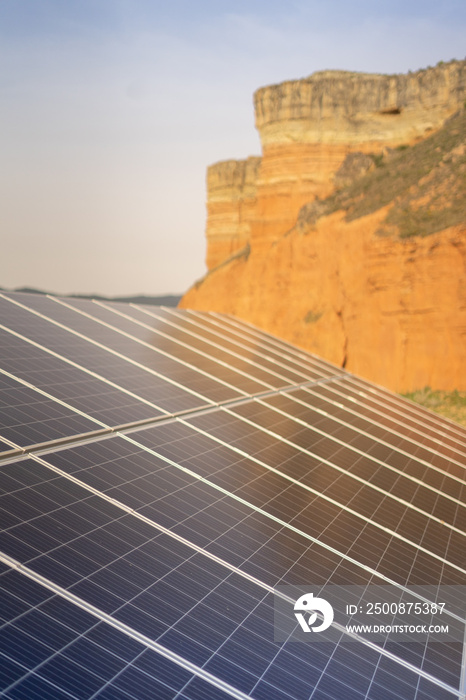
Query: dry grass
pixel 451 404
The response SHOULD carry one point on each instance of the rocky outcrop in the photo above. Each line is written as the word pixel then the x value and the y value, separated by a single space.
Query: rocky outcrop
pixel 339 107
pixel 345 270
pixel 231 187
pixel 307 128
pixel 390 310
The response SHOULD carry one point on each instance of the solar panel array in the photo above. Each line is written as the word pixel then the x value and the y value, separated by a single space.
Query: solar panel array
pixel 162 472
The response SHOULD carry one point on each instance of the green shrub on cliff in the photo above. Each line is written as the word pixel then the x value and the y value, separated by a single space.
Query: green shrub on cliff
pixel 426 184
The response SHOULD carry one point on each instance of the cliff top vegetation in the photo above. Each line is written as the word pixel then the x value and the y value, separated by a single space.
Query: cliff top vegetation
pixel 425 184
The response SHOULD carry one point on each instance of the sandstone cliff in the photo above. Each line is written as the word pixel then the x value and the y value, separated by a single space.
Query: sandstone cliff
pixel 324 240
pixel 231 185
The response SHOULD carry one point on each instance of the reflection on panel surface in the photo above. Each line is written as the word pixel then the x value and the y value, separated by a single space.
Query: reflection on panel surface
pixel 145 532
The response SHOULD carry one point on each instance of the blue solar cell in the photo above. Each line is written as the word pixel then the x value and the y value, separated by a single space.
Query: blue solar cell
pixel 198 689
pixel 93 654
pixel 35 688
pixel 377 493
pixel 9 673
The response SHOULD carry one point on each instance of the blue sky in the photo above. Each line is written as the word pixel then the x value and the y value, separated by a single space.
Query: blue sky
pixel 111 111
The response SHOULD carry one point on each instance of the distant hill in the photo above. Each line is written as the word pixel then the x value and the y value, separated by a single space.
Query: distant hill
pixel 165 300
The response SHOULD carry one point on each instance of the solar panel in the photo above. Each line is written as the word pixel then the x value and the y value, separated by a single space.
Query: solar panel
pixel 168 478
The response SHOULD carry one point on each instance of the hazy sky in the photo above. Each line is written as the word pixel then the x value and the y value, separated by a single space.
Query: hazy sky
pixel 111 111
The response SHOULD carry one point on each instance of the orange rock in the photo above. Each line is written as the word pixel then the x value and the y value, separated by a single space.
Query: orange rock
pixel 389 309
pixel 231 187
pixel 393 311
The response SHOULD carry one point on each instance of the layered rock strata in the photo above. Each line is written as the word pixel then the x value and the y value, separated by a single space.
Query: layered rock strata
pixel 307 128
pixel 231 187
pixel 389 309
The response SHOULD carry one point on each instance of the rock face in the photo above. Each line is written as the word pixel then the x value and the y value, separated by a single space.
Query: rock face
pixel 231 187
pixel 339 107
pixel 349 288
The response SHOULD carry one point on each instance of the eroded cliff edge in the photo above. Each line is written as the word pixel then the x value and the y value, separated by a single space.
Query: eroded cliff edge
pixel 348 236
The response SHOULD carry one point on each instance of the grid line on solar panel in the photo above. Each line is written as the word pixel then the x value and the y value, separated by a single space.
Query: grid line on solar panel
pixel 379 393
pixel 218 488
pixel 214 346
pixel 396 400
pixel 429 472
pixel 348 445
pixel 182 321
pixel 130 510
pixel 64 403
pixel 95 375
pixel 393 534
pixel 346 471
pixel 311 368
pixel 119 625
pixel 375 647
pixel 403 406
pixel 46 414
pixel 316 492
pixel 46 444
pixel 98 492
pixel 89 644
pixel 178 460
pixel 41 369
pixel 303 357
pixel 125 367
pixel 215 361
pixel 238 383
pixel 388 436
pixel 213 351
pixel 340 403
pixel 386 396
pixel 382 397
pixel 146 385
pixel 311 365
pixel 345 395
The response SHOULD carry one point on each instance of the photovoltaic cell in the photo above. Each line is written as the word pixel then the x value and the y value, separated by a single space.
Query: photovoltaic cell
pixel 80 390
pixel 315 463
pixel 170 601
pixel 302 363
pixel 158 354
pixel 447 460
pixel 171 539
pixel 177 512
pixel 170 337
pixel 340 443
pixel 28 417
pixel 135 376
pixel 50 647
pixel 379 397
pixel 272 493
pixel 313 364
pixel 348 405
pixel 236 346
pixel 175 606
